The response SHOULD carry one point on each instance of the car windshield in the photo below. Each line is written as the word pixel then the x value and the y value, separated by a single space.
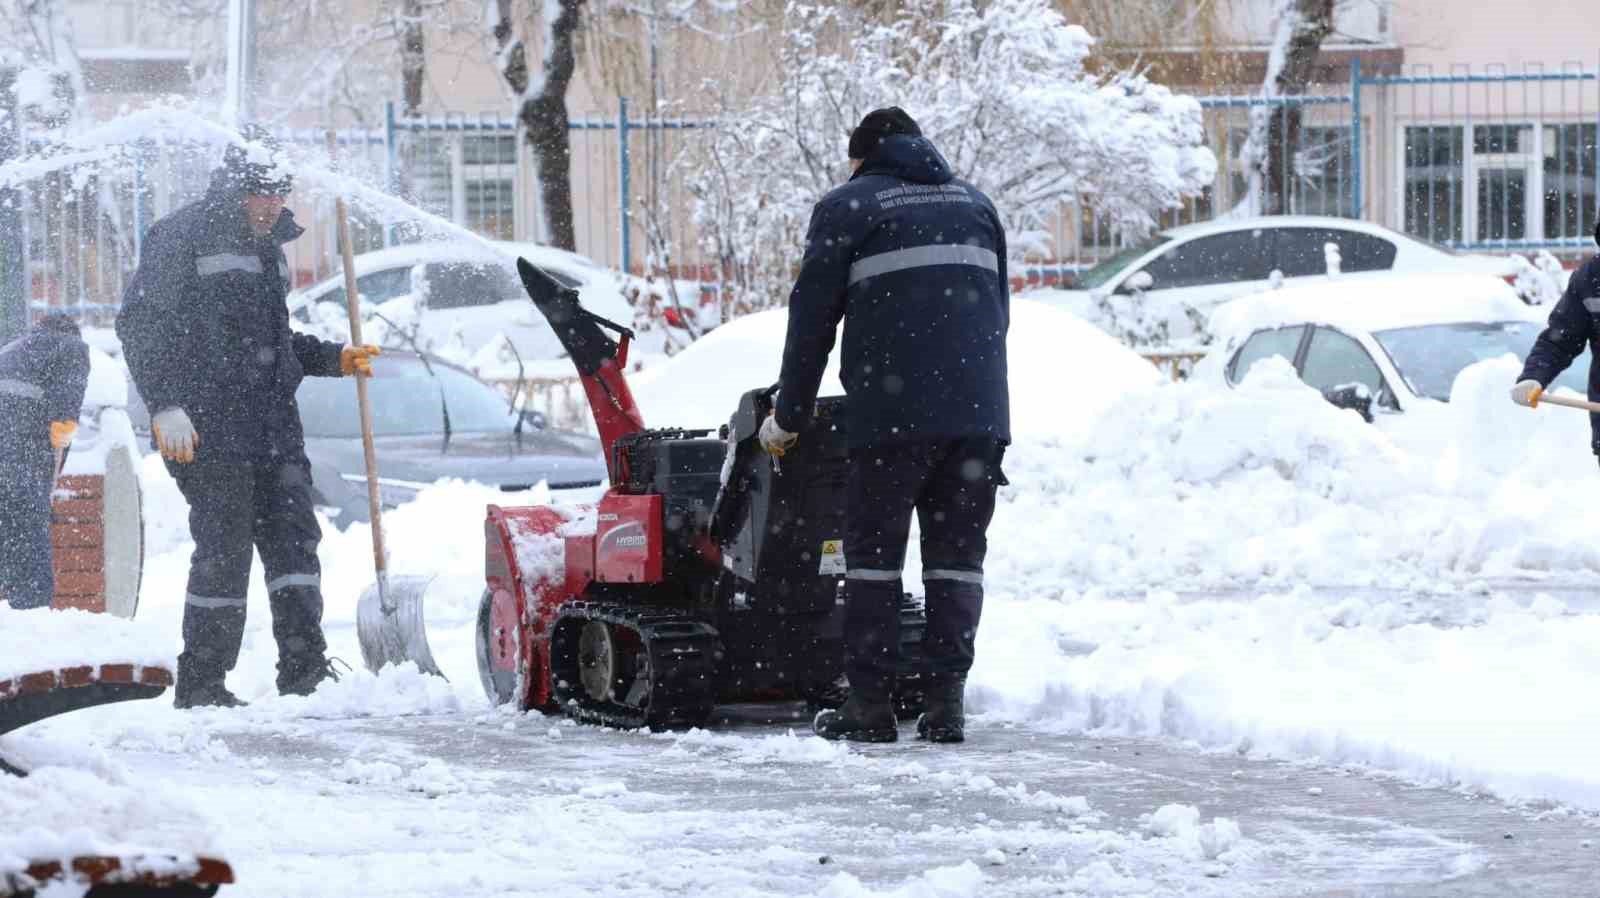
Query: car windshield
pixel 1109 268
pixel 405 402
pixel 1430 357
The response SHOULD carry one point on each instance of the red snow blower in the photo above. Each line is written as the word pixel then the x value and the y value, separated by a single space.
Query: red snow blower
pixel 705 575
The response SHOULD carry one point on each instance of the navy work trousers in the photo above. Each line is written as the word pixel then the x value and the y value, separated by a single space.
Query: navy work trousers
pixel 27 568
pixel 951 486
pixel 235 510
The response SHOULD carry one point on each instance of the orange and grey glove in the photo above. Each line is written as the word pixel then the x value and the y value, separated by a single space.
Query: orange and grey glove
pixel 175 435
pixel 1527 392
pixel 358 360
pixel 775 439
pixel 61 433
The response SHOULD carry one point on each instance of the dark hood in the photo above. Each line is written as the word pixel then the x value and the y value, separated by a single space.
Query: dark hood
pixel 491 458
pixel 908 158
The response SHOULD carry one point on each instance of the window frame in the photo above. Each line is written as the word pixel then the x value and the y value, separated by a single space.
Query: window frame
pixel 1387 396
pixel 1232 372
pixel 1542 135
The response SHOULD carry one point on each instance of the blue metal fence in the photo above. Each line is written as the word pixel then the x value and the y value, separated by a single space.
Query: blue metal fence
pixel 1477 159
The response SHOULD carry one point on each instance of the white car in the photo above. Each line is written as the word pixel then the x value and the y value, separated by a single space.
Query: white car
pixel 1381 343
pixel 474 294
pixel 1196 267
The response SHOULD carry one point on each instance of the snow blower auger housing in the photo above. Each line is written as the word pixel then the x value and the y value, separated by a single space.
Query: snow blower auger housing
pixel 705 574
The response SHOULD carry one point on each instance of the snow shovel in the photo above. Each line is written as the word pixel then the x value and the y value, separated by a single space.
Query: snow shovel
pixel 389 613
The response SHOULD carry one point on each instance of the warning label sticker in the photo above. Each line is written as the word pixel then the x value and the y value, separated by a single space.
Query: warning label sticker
pixel 832 558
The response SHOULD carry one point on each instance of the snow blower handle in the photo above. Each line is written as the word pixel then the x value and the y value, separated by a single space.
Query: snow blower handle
pixel 353 306
pixel 600 360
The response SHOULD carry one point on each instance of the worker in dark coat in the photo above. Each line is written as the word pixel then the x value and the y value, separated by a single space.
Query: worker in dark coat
pixel 913 260
pixel 43 376
pixel 1574 325
pixel 205 330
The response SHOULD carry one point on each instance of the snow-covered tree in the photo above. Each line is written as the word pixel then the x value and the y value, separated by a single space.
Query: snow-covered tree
pixel 336 59
pixel 1000 87
pixel 541 100
pixel 50 84
pixel 1272 151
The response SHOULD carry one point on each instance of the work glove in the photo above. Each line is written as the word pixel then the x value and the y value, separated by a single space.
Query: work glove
pixel 61 433
pixel 358 360
pixel 1527 392
pixel 775 439
pixel 175 435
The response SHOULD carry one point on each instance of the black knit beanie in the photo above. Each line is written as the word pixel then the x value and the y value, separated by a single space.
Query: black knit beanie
pixel 878 124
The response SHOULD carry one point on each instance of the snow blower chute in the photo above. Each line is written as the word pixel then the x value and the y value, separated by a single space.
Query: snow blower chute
pixel 705 574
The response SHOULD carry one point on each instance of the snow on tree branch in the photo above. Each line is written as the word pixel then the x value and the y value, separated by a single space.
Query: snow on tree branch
pixel 1000 87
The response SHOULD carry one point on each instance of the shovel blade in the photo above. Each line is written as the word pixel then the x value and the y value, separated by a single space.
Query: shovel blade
pixel 389 623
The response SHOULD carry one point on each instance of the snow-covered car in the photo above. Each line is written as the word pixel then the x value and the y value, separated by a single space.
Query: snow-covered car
pixel 1381 343
pixel 473 295
pixel 431 421
pixel 1199 266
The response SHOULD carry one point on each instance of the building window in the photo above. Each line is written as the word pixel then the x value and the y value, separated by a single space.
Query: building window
pixel 488 184
pixel 491 207
pixel 1569 181
pixel 1435 161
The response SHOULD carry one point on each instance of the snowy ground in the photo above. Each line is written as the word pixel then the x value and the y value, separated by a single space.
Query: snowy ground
pixel 1185 581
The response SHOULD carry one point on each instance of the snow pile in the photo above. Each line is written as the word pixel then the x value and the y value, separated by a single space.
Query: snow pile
pixel 1480 691
pixel 962 881
pixel 1208 487
pixel 42 639
pixel 392 692
pixel 1539 282
pixel 701 386
pixel 788 748
pixel 59 813
pixel 1181 823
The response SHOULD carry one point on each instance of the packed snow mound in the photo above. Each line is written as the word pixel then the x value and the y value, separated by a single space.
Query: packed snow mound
pixel 59 813
pixel 1273 424
pixel 701 386
pixel 43 639
pixel 1064 373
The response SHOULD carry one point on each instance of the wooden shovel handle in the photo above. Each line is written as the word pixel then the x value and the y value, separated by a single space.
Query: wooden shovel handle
pixel 1571 403
pixel 353 307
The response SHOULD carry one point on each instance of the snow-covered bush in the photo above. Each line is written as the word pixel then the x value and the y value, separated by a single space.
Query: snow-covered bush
pixel 1540 282
pixel 1001 88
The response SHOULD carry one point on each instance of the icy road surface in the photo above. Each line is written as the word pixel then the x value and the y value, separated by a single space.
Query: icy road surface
pixel 490 803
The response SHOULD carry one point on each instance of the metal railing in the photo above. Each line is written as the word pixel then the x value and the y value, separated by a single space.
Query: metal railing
pixel 1475 159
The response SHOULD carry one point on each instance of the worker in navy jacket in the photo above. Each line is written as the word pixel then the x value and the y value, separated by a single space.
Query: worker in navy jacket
pixel 1574 325
pixel 205 330
pixel 43 376
pixel 913 261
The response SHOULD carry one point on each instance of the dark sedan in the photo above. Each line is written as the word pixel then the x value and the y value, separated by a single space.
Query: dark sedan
pixel 431 421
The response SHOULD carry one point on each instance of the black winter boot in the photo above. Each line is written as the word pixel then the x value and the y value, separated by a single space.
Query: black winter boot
pixel 860 720
pixel 192 693
pixel 945 718
pixel 303 676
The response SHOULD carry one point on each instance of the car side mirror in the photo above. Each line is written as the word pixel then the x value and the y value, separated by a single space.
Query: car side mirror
pixel 1138 282
pixel 534 420
pixel 1355 397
